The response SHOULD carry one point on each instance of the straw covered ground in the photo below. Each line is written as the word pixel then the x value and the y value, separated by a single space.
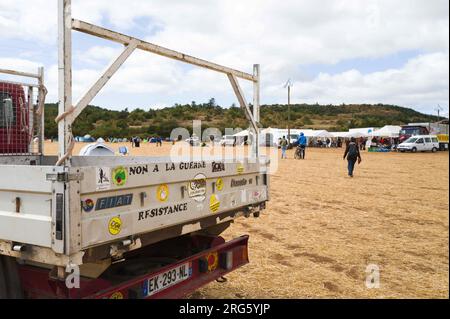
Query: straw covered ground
pixel 322 229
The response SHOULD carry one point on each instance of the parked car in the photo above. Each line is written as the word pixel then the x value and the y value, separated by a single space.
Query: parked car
pixel 193 141
pixel 228 140
pixel 420 143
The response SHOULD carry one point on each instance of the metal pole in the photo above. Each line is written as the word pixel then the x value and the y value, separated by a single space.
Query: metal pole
pixel 97 31
pixel 65 70
pixel 41 128
pixel 30 127
pixel 256 105
pixel 289 116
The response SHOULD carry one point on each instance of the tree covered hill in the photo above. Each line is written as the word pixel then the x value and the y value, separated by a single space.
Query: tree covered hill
pixel 100 122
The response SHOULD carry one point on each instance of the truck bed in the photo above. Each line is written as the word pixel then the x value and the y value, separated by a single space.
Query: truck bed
pixel 101 207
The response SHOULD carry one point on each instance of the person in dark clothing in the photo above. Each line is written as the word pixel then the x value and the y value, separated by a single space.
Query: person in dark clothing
pixel 137 142
pixel 352 154
pixel 362 144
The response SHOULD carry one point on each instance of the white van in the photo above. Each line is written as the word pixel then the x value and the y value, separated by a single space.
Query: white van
pixel 229 140
pixel 420 143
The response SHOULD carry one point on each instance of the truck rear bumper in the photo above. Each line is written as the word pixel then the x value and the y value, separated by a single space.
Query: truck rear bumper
pixel 199 269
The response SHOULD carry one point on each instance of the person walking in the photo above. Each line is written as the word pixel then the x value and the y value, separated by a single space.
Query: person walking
pixel 352 154
pixel 362 144
pixel 302 141
pixel 284 145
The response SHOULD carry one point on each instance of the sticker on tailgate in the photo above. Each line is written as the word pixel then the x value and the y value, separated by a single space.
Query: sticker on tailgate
pixel 197 188
pixel 103 178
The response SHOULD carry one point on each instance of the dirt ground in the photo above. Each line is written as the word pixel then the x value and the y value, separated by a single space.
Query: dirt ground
pixel 322 229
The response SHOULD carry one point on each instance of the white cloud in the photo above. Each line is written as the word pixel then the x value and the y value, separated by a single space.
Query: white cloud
pixel 280 35
pixel 421 83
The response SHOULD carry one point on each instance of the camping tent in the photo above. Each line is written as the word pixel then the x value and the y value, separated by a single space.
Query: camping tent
pixel 96 149
pixel 388 131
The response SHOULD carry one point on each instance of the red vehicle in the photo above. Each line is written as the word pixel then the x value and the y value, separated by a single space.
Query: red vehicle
pixel 14 119
pixel 412 130
pixel 169 269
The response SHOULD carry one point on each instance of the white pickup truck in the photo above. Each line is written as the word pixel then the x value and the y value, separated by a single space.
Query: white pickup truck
pixel 111 215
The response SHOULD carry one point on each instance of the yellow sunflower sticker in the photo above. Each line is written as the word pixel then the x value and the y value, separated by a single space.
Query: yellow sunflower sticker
pixel 214 203
pixel 240 168
pixel 120 176
pixel 162 193
pixel 115 226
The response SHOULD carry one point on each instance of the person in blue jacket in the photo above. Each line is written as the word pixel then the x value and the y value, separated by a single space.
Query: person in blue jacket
pixel 302 141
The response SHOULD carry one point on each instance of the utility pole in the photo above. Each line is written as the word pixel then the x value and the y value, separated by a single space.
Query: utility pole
pixel 288 85
pixel 439 109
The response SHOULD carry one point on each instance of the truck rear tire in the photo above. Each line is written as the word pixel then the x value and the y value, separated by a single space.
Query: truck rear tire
pixel 434 150
pixel 414 150
pixel 10 286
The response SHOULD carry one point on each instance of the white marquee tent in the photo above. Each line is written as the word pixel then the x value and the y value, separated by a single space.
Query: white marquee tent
pixel 357 134
pixel 388 131
pixel 321 134
pixel 243 133
pixel 339 134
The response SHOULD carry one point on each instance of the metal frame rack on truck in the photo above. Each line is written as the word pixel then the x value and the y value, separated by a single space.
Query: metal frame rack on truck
pixel 134 227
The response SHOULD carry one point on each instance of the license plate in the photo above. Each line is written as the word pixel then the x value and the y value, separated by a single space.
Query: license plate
pixel 167 279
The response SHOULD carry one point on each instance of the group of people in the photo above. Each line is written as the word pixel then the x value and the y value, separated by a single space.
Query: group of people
pixel 136 141
pixel 352 151
pixel 301 148
pixel 383 142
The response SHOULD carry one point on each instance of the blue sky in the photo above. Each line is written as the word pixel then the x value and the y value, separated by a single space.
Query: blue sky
pixel 376 51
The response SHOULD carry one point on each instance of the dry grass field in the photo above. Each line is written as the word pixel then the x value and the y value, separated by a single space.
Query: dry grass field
pixel 322 229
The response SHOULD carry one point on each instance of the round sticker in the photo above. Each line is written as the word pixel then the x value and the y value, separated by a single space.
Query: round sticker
pixel 115 226
pixel 240 168
pixel 162 193
pixel 214 203
pixel 219 184
pixel 213 261
pixel 116 295
pixel 120 176
pixel 197 188
pixel 88 205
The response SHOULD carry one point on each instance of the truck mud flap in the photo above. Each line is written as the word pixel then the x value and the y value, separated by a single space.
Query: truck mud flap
pixel 10 286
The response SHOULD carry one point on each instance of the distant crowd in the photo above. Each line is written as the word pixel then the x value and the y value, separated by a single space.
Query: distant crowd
pixel 136 141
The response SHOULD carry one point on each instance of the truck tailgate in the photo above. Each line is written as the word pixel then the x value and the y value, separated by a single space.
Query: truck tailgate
pixel 123 199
